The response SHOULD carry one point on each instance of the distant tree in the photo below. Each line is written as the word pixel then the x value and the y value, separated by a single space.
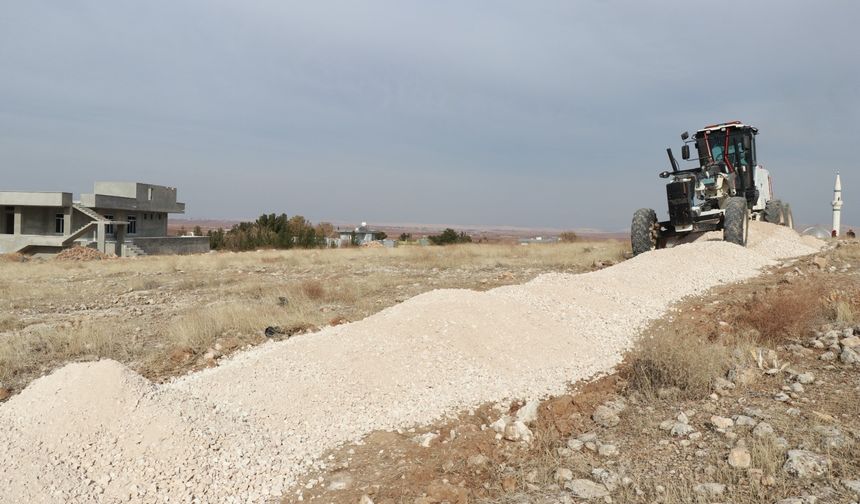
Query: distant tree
pixel 405 237
pixel 198 231
pixel 270 231
pixel 216 238
pixel 325 229
pixel 381 235
pixel 448 237
pixel 568 236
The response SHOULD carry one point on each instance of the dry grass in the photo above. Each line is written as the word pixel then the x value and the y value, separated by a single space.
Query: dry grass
pixel 200 329
pixel 789 311
pixel 9 322
pixel 844 313
pixel 674 359
pixel 36 351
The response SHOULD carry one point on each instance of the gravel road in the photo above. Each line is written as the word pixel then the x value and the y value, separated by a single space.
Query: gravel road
pixel 244 430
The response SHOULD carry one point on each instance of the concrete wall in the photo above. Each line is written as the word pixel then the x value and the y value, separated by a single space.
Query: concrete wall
pixel 39 220
pixel 52 199
pixel 173 245
pixel 133 196
pixel 148 223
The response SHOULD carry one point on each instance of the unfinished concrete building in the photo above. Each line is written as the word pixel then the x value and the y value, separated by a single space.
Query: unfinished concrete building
pixel 117 218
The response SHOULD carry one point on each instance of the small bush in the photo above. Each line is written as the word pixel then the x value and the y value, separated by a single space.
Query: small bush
pixel 449 237
pixel 674 359
pixel 844 312
pixel 791 311
pixel 313 289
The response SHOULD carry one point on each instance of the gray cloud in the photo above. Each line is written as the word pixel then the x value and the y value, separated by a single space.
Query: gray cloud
pixel 548 113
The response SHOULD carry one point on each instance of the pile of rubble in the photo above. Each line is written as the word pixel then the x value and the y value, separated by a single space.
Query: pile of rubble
pixel 80 254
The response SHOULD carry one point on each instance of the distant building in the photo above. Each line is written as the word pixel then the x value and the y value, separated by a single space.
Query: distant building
pixel 117 218
pixel 358 236
pixel 539 240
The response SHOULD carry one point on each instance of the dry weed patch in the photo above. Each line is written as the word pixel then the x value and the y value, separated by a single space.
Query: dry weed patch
pixel 787 311
pixel 679 360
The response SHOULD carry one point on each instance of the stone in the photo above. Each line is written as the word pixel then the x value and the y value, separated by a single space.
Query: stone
pixel 830 337
pixel 607 450
pixel 743 420
pixel 588 437
pixel 806 499
pixel 852 485
pixel 339 481
pixel 574 444
pixel 763 430
pixel 500 424
pixel 586 489
pixel 609 479
pixel 805 378
pixel 424 440
pixel 821 262
pixel 797 388
pixel 518 431
pixel 563 474
pixel 682 418
pixel 5 393
pixel 806 464
pixel 781 397
pixel 832 437
pixel 853 342
pixel 723 423
pixel 849 356
pixel 365 499
pixel 827 356
pixel 529 412
pixel 605 417
pixel 667 425
pixel 681 429
pixel 710 489
pixel 721 384
pixel 740 458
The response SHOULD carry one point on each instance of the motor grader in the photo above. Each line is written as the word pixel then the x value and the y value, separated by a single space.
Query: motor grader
pixel 724 191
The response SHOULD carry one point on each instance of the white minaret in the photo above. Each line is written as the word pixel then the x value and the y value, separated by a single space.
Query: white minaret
pixel 837 204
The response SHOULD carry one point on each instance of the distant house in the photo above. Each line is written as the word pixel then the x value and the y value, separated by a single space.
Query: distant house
pixel 538 240
pixel 117 218
pixel 358 236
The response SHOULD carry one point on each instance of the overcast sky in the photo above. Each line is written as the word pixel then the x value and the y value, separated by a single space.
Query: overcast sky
pixel 545 113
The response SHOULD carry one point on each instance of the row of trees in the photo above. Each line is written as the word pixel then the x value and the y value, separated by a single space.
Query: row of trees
pixel 283 232
pixel 449 237
pixel 272 231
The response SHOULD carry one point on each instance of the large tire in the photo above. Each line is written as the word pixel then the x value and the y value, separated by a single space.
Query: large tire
pixel 773 212
pixel 787 216
pixel 644 231
pixel 736 222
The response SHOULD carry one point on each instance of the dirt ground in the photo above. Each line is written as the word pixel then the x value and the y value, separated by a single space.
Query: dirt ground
pixel 754 355
pixel 165 316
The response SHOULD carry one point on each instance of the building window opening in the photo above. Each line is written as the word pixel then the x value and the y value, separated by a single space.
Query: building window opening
pixel 149 194
pixel 109 227
pixel 132 224
pixel 59 223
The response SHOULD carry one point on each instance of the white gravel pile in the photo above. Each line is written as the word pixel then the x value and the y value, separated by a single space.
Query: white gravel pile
pixel 244 430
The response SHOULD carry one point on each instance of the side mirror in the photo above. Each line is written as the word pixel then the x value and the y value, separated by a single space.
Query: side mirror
pixel 664 174
pixel 685 152
pixel 685 135
pixel 747 142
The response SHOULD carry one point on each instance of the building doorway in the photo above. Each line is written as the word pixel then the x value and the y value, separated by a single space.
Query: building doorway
pixel 9 221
